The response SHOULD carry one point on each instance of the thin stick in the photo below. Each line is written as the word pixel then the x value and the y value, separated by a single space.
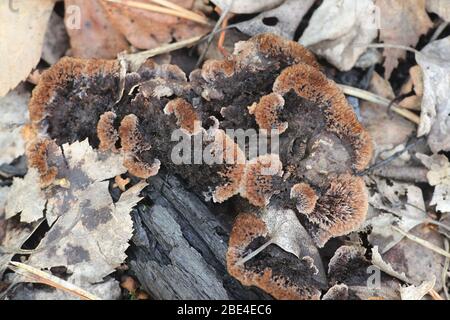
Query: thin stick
pixel 422 242
pixel 213 32
pixel 371 97
pixel 254 253
pixel 40 276
pixel 150 7
pixel 438 32
pixel 139 58
pixel 393 46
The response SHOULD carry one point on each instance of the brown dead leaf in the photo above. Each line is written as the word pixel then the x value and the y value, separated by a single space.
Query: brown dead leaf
pixel 22 34
pixel 107 28
pixel 402 23
pixel 91 33
pixel 387 131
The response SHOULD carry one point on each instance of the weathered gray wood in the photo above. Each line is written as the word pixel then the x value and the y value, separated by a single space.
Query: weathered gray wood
pixel 179 247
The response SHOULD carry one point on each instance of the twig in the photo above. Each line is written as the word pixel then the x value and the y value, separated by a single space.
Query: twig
pixel 254 253
pixel 439 31
pixel 423 242
pixel 213 32
pixel 40 276
pixel 371 97
pixel 393 46
pixel 384 162
pixel 137 59
pixel 186 14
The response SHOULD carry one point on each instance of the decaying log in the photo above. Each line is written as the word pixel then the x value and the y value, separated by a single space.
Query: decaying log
pixel 178 250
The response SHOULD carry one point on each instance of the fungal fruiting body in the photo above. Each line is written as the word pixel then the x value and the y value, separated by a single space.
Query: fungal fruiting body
pixel 269 85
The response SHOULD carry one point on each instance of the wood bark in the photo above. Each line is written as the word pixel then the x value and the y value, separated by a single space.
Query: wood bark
pixel 179 247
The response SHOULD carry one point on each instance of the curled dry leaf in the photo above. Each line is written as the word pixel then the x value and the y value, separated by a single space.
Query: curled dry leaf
pixel 434 118
pixel 439 177
pixel 341 30
pixel 413 292
pixel 282 20
pixel 402 23
pixel 22 31
pixel 14 114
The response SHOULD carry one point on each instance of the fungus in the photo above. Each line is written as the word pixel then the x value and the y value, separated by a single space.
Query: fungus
pixel 133 145
pixel 269 83
pixel 305 197
pixel 106 132
pixel 267 112
pixel 274 270
pixel 261 178
pixel 187 118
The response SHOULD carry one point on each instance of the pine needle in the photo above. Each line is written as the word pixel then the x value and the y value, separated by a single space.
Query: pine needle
pixel 423 242
pixel 40 276
pixel 371 97
pixel 172 9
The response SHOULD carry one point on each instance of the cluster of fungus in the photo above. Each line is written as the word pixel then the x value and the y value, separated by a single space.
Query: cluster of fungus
pixel 267 84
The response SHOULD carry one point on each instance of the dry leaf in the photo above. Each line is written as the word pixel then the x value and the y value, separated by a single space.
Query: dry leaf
pixel 14 113
pixel 91 33
pixel 439 177
pixel 26 197
pixel 417 262
pixel 146 30
pixel 402 23
pixel 285 230
pixel 15 235
pixel 434 119
pixel 417 292
pixel 378 261
pixel 387 131
pixel 247 6
pixel 440 7
pixel 107 28
pixel 282 20
pixel 341 30
pixel 397 204
pixel 22 32
pixel 90 233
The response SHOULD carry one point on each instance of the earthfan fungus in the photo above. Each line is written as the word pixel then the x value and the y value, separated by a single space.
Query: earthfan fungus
pixel 268 84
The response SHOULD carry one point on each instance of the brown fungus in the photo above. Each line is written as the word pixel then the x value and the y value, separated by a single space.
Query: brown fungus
pixel 305 197
pixel 267 83
pixel 274 270
pixel 267 112
pixel 106 132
